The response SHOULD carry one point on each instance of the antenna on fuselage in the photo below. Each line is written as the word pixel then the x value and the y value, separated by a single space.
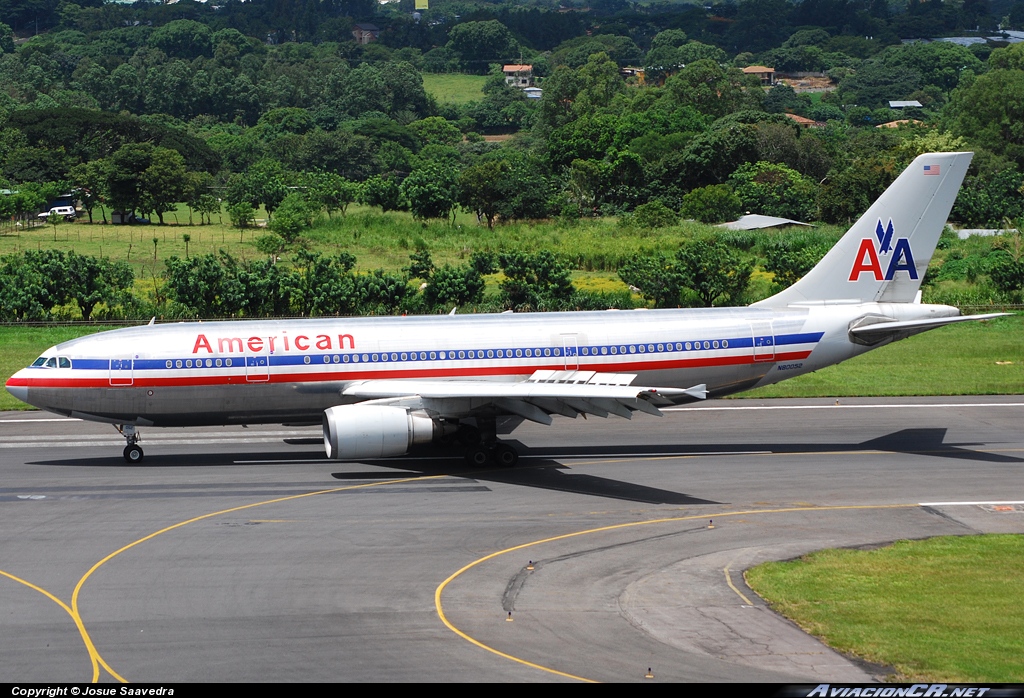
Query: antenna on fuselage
pixel 152 321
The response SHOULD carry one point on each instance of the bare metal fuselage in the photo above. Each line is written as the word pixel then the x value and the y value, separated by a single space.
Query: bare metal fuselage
pixel 191 374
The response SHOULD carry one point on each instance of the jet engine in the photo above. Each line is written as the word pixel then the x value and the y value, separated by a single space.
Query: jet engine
pixel 373 431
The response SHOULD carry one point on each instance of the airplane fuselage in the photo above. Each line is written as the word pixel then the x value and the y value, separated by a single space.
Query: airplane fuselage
pixel 192 374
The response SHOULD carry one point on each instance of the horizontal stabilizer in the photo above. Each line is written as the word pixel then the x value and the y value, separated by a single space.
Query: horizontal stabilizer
pixel 698 391
pixel 883 330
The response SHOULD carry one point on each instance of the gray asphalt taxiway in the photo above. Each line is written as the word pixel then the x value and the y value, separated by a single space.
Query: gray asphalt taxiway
pixel 614 549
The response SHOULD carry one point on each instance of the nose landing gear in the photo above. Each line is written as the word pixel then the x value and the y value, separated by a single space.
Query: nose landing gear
pixel 132 452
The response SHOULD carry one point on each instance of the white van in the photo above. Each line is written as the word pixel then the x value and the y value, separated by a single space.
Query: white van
pixel 68 212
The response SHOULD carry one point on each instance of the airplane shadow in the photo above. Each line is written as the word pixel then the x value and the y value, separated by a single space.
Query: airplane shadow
pixel 540 468
pixel 926 442
pixel 538 473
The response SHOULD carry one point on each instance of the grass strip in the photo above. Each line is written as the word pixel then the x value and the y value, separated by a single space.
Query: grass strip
pixel 946 609
pixel 454 88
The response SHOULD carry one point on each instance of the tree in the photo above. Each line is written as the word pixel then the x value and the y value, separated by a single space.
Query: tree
pixel 441 60
pixel 670 38
pixel 987 200
pixel 242 214
pixel 329 191
pixel 436 130
pixel 54 219
pixel 713 90
pixel 183 38
pixel 510 188
pixel 294 215
pixel 392 88
pixel 203 286
pixel 599 82
pixel 1007 268
pixel 713 271
pixel 323 285
pixel 125 176
pixel 93 281
pixel 421 266
pixel 22 295
pixel 875 83
pixel 788 260
pixel 195 186
pixel 848 193
pixel 939 63
pixel 383 191
pixel 264 287
pixel 381 293
pixel 164 181
pixel 454 286
pixel 990 113
pixel 775 190
pixel 654 214
pixel 655 277
pixel 712 204
pixel 481 189
pixel 90 181
pixel 534 281
pixel 478 44
pixel 432 190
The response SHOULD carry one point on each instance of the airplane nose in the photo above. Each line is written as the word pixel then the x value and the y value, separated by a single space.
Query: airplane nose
pixel 16 387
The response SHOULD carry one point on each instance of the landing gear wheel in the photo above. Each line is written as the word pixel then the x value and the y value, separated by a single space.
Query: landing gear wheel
pixel 133 453
pixel 505 455
pixel 477 457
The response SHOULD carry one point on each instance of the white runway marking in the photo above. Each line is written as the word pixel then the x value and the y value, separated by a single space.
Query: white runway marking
pixel 33 421
pixel 967 504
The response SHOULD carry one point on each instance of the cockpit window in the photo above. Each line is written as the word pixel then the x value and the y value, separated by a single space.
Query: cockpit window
pixel 39 362
pixel 51 362
pixel 64 362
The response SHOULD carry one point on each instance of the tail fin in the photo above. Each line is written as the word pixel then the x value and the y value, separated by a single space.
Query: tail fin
pixel 884 256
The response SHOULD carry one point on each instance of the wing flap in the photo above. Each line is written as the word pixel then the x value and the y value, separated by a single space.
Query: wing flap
pixel 492 389
pixel 545 393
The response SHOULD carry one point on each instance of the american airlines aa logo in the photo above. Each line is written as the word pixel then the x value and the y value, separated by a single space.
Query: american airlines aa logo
pixel 900 256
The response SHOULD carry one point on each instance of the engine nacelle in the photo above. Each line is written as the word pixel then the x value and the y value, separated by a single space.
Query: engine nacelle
pixel 352 432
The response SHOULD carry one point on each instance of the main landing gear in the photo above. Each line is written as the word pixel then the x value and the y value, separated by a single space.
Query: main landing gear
pixel 499 453
pixel 483 447
pixel 132 452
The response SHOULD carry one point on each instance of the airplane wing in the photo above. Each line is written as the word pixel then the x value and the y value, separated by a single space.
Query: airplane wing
pixel 878 331
pixel 547 392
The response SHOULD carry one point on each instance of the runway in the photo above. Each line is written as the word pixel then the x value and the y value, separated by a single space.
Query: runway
pixel 618 547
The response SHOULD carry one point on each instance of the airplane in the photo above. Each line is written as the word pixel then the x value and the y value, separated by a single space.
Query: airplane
pixel 381 385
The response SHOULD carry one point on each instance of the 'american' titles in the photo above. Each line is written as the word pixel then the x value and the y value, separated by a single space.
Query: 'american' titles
pixel 273 343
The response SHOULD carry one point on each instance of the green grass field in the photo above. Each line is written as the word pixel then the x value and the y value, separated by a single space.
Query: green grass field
pixel 454 87
pixel 946 609
pixel 377 240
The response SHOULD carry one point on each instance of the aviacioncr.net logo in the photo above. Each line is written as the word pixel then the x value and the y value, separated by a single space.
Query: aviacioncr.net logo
pixel 868 259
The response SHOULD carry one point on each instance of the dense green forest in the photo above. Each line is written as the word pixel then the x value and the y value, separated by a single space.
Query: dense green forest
pixel 271 113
